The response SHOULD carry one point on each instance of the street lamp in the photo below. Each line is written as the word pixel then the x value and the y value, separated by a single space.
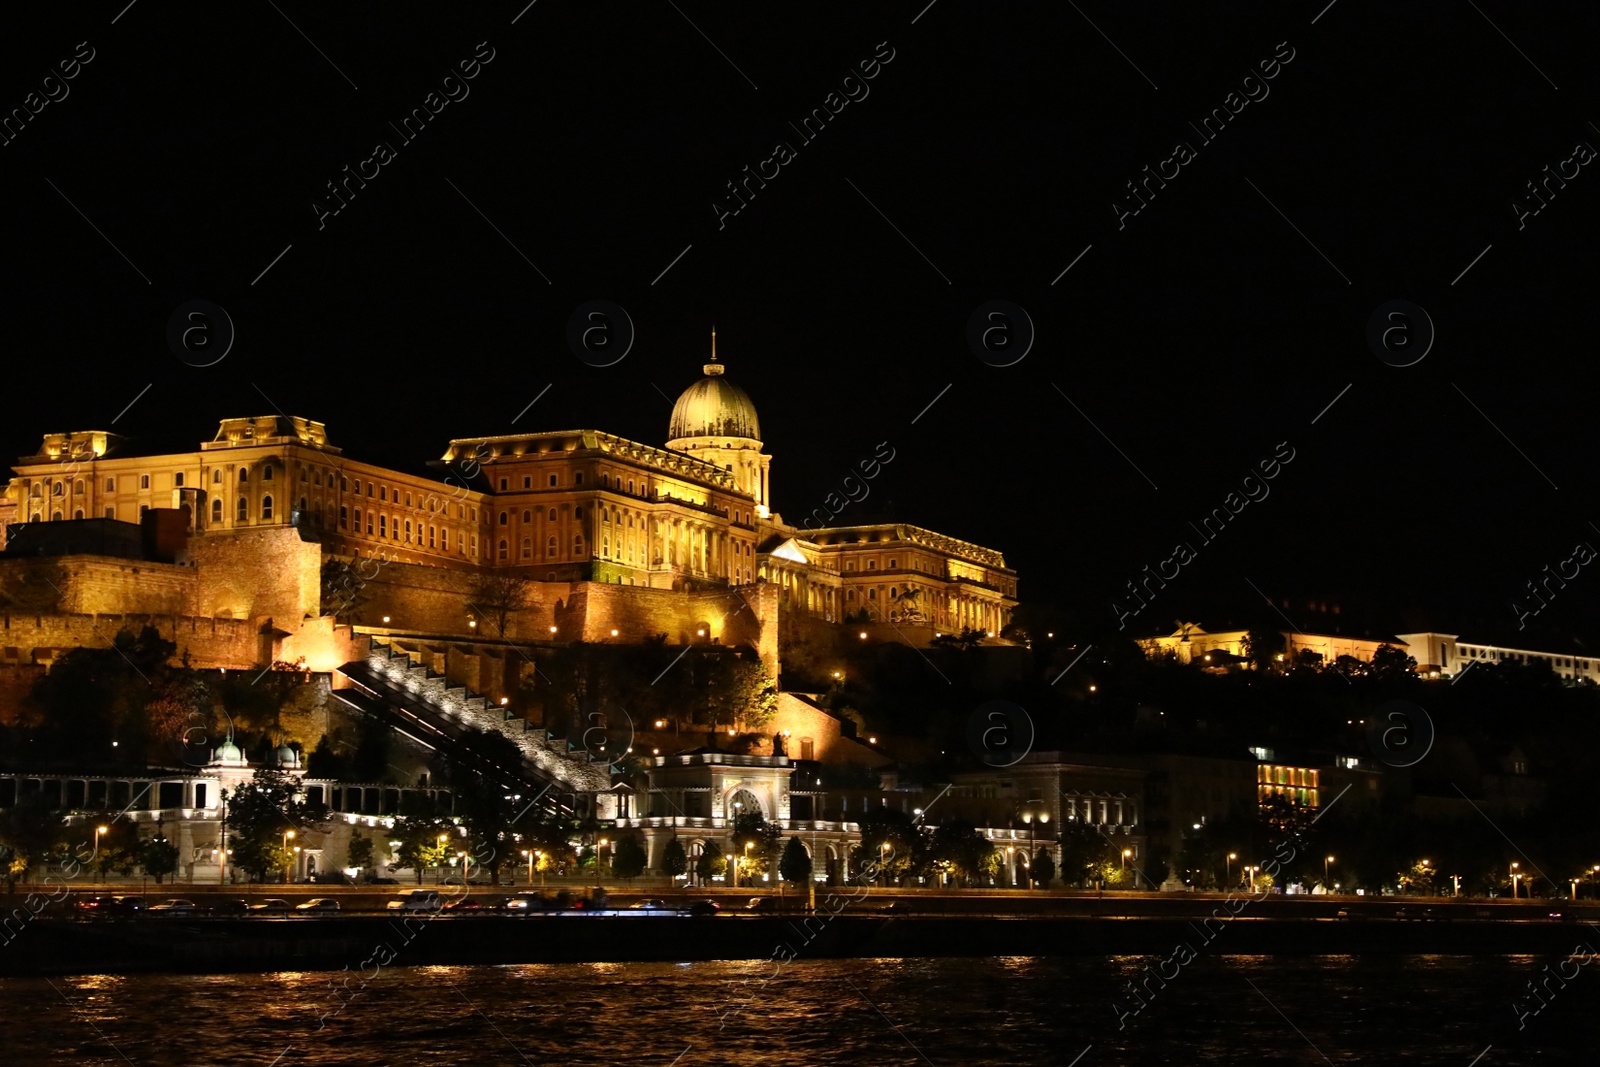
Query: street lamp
pixel 883 846
pixel 288 835
pixel 442 839
pixel 462 856
pixel 1227 867
pixel 529 857
pixel 1325 861
pixel 1514 877
pixel 1252 872
pixel 297 863
pixel 99 831
pixel 540 854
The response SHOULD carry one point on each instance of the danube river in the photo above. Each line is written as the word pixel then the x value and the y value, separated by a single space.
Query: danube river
pixel 1006 1011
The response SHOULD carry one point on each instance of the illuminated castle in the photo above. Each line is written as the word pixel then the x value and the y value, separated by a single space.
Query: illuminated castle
pixel 257 509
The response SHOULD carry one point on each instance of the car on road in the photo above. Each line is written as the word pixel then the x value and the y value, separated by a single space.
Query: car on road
pixel 761 905
pixel 1563 916
pixel 128 905
pixel 477 904
pixel 175 906
pixel 650 904
pixel 95 905
pixel 417 900
pixel 318 906
pixel 270 906
pixel 701 909
pixel 236 906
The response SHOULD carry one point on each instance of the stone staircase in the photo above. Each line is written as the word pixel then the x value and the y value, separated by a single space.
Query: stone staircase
pixel 430 695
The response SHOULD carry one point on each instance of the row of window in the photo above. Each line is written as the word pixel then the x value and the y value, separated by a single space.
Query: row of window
pixel 1525 657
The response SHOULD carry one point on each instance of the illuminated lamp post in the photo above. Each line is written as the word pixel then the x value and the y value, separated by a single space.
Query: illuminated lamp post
pixel 1227 868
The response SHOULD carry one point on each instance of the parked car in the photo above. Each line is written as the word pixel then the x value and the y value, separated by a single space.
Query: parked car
pixel 270 906
pixel 477 904
pixel 237 906
pixel 175 906
pixel 128 905
pixel 96 905
pixel 417 900
pixel 762 905
pixel 702 908
pixel 318 906
pixel 650 904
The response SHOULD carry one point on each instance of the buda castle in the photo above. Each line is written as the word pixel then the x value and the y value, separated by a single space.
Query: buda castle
pixel 622 540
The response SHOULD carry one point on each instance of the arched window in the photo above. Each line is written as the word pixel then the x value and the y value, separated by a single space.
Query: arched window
pixel 431 531
pixel 35 490
pixel 605 545
pixel 577 512
pixel 577 479
pixel 527 516
pixel 244 474
pixel 369 521
pixel 216 511
pixel 78 514
pixel 266 507
pixel 383 492
pixel 266 473
pixel 527 548
pixel 605 481
pixel 444 539
pixel 577 544
pixel 304 477
pixel 77 486
pixel 502 518
pixel 630 485
pixel 216 477
pixel 550 547
pixel 241 513
pixel 36 517
pixel 383 526
pixel 408 531
pixel 55 490
pixel 503 548
pixel 111 513
pixel 872 594
pixel 144 481
pixel 344 484
pixel 344 517
pixel 552 515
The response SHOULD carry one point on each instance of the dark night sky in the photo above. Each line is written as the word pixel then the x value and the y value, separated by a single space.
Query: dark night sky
pixel 1196 338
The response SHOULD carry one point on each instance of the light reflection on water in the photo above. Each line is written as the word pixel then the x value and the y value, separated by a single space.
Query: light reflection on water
pixel 977 1013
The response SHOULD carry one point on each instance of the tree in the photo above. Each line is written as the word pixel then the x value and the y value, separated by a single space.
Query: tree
pixel 1389 662
pixel 675 861
pixel 753 830
pixel 498 595
pixel 710 863
pixel 423 841
pixel 1086 855
pixel 1043 869
pixel 890 843
pixel 325 762
pixel 1262 646
pixel 260 813
pixel 795 866
pixel 358 853
pixel 629 859
pixel 966 640
pixel 29 830
pixel 159 857
pixel 957 848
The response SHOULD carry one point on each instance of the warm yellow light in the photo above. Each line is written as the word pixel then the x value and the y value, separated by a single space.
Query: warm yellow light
pixel 660 723
pixel 1127 852
pixel 656 751
pixel 872 740
pixel 1235 855
pixel 1093 689
pixel 700 633
pixel 291 835
pixel 613 633
pixel 730 731
pixel 505 700
pixel 102 829
pixel 473 623
pixel 863 635
pixel 552 629
pixel 386 620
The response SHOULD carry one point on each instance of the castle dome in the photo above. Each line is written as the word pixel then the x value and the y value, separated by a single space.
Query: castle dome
pixel 714 407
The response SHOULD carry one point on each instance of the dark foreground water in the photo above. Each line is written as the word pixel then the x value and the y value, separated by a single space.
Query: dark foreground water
pixel 975 1013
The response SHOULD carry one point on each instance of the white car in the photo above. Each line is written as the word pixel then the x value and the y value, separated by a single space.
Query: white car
pixel 175 906
pixel 319 906
pixel 417 900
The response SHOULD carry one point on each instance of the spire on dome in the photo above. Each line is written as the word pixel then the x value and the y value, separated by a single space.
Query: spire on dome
pixel 713 368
